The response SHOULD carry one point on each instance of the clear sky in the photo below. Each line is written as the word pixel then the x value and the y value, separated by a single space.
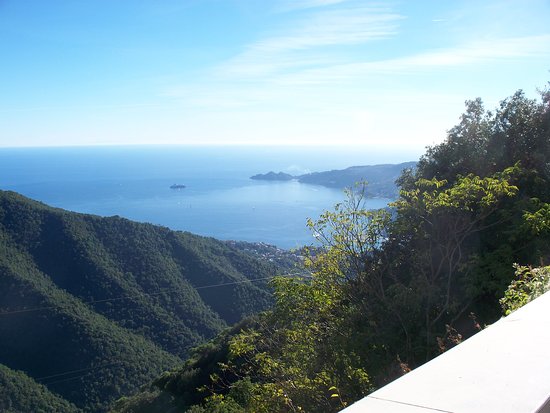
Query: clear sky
pixel 386 73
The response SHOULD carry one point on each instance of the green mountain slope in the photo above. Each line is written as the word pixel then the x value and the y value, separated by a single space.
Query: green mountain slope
pixel 67 336
pixel 21 394
pixel 112 300
pixel 188 384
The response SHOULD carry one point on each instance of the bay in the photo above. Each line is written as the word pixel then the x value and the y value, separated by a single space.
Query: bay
pixel 219 199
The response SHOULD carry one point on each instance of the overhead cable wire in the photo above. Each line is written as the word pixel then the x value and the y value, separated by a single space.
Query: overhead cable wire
pixel 162 291
pixel 90 370
pixel 64 373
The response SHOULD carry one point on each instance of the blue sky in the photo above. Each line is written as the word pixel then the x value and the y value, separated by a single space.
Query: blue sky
pixel 320 72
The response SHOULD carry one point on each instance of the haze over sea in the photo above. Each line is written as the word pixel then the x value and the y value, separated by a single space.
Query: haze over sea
pixel 219 199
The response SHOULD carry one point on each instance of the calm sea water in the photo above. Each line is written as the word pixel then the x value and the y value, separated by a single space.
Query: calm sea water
pixel 219 199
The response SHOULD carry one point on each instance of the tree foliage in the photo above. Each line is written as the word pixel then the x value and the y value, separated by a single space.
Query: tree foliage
pixel 528 284
pixel 389 288
pixel 381 288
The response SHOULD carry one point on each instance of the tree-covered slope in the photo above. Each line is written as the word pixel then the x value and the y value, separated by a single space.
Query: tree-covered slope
pixel 21 394
pixel 64 335
pixel 114 301
pixel 188 384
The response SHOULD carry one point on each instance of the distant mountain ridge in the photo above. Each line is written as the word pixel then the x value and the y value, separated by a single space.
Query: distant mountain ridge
pixel 381 178
pixel 94 307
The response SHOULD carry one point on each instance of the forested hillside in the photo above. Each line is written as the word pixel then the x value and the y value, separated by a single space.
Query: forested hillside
pixel 20 393
pixel 94 307
pixel 390 289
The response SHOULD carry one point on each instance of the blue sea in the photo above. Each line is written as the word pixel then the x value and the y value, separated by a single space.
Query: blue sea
pixel 219 199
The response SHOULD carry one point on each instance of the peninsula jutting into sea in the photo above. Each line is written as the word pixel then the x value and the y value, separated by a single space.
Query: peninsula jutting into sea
pixel 380 178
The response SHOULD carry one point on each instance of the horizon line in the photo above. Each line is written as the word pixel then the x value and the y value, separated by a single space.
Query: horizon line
pixel 217 144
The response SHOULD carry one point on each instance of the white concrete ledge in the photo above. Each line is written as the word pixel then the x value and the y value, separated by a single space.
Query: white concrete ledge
pixel 504 368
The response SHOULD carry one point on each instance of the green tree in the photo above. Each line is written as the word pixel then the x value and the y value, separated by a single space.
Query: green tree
pixel 438 225
pixel 375 284
pixel 528 284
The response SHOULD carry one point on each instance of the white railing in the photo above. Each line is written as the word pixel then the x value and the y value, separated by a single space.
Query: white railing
pixel 503 368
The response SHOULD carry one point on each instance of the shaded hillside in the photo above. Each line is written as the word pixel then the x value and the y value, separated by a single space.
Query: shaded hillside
pixel 381 178
pixel 187 385
pixel 21 394
pixel 116 301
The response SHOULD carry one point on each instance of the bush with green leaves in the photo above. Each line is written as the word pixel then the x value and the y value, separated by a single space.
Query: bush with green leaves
pixel 529 284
